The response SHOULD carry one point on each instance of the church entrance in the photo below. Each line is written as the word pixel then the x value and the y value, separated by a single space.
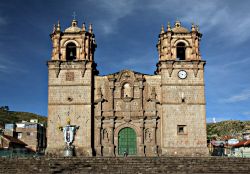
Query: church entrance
pixel 127 141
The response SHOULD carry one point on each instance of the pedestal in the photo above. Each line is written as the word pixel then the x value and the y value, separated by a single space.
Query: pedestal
pixel 69 151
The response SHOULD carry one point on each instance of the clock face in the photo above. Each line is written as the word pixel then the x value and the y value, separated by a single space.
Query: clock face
pixel 182 74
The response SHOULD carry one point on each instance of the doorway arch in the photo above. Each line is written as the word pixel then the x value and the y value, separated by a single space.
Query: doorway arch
pixel 127 141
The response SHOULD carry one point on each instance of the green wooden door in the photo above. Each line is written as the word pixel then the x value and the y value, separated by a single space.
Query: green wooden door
pixel 127 141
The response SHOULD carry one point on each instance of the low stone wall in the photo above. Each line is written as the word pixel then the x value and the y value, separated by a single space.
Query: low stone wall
pixel 135 165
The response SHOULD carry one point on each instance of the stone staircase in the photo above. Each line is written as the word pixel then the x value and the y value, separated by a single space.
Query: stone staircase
pixel 134 165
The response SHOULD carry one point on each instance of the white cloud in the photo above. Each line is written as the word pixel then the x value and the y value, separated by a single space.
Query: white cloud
pixel 217 119
pixel 115 10
pixel 247 113
pixel 2 21
pixel 242 96
pixel 223 68
pixel 5 64
pixel 237 62
pixel 3 68
pixel 8 66
pixel 132 61
pixel 226 20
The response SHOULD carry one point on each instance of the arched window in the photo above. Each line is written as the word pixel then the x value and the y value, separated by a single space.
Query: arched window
pixel 70 51
pixel 181 51
pixel 126 90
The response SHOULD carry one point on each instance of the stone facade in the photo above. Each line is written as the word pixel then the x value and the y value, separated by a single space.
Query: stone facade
pixel 147 115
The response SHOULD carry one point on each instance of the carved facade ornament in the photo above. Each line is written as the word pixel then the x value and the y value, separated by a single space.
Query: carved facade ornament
pixel 125 74
pixel 126 90
pixel 70 76
pixel 196 72
pixel 83 68
pixel 83 71
pixel 153 93
pixel 58 68
pixel 170 67
pixel 99 96
pixel 148 135
pixel 99 92
pixel 57 72
pixel 105 135
pixel 195 68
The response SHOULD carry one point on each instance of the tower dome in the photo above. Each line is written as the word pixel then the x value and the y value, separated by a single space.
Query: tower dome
pixel 179 29
pixel 73 28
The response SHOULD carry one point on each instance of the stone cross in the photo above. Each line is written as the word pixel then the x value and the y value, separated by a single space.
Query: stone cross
pixel 74 15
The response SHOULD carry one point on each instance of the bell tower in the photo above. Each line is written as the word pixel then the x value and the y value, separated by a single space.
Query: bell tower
pixel 179 43
pixel 71 72
pixel 183 103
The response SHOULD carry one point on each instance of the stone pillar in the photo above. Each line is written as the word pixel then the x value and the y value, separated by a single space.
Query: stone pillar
pixel 112 87
pixel 141 93
pixel 87 48
pixel 111 141
pixel 154 141
pixel 141 144
pixel 98 143
pixel 99 146
pixel 82 52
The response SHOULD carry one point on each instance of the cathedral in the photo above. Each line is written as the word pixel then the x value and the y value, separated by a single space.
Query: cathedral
pixel 127 112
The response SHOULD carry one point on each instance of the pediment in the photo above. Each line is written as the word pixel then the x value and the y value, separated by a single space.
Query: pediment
pixel 126 74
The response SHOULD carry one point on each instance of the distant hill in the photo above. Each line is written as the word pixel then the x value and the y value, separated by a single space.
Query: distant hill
pixel 13 116
pixel 220 129
pixel 225 128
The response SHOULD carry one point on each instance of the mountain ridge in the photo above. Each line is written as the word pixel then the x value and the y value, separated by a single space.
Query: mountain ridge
pixel 18 116
pixel 219 129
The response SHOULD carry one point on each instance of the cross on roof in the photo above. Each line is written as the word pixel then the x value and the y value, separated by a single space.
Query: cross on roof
pixel 74 15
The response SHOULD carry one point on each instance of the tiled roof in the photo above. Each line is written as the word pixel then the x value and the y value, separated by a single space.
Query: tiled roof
pixel 245 143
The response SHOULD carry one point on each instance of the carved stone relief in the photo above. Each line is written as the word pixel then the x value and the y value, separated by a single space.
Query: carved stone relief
pixel 105 135
pixel 70 76
pixel 148 135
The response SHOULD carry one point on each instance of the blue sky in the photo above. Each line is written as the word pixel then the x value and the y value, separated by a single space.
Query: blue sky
pixel 126 34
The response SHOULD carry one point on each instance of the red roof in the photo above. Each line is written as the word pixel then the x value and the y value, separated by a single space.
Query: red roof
pixel 13 139
pixel 245 143
pixel 227 137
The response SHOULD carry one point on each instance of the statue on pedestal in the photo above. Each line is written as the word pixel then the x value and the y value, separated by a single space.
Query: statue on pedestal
pixel 69 134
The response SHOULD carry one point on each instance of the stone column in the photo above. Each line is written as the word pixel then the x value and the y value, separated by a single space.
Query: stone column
pixel 87 48
pixel 111 137
pixel 141 93
pixel 154 147
pixel 141 143
pixel 99 127
pixel 99 145
pixel 112 87
pixel 83 48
